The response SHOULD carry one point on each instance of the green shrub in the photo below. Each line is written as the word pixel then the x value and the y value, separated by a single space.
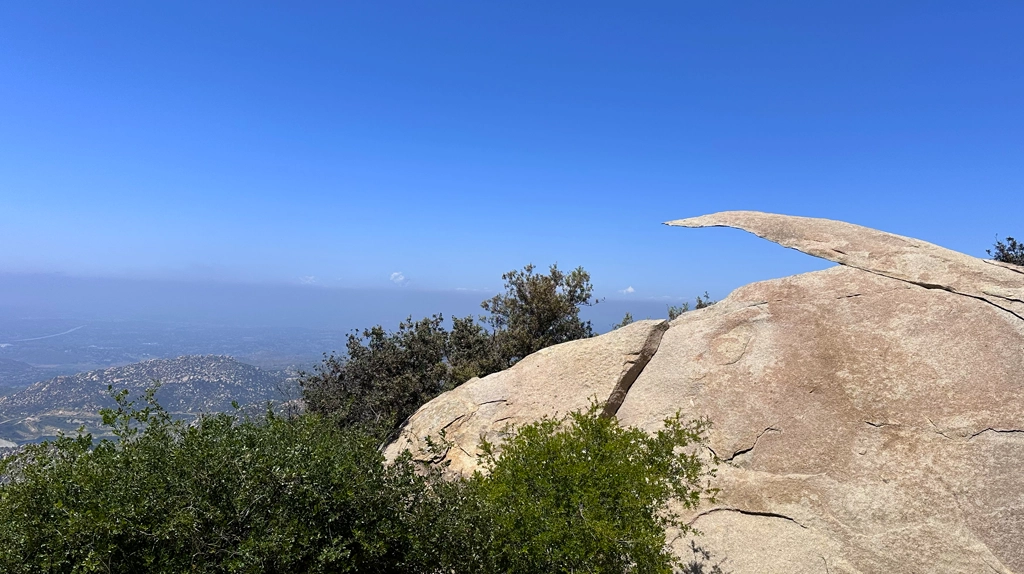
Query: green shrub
pixel 584 494
pixel 221 495
pixel 302 494
pixel 627 319
pixel 701 302
pixel 537 311
pixel 1010 252
pixel 385 376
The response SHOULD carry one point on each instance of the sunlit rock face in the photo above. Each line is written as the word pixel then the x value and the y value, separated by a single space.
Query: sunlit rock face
pixel 869 417
pixel 556 380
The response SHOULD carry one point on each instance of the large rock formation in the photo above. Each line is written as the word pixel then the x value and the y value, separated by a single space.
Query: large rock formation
pixel 870 417
pixel 556 380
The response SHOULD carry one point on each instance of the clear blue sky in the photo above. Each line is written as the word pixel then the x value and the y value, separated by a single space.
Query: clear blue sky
pixel 452 141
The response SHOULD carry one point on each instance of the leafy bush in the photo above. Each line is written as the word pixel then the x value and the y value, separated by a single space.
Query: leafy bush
pixel 584 494
pixel 702 302
pixel 222 495
pixel 537 311
pixel 273 494
pixel 627 319
pixel 1009 252
pixel 385 376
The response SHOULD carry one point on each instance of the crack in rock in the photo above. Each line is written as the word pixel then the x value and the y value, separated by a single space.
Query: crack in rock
pixel 747 513
pixel 998 431
pixel 744 451
pixel 1010 266
pixel 632 372
pixel 453 421
pixel 945 288
pixel 966 437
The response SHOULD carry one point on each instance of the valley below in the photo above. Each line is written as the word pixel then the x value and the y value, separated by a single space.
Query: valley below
pixel 187 386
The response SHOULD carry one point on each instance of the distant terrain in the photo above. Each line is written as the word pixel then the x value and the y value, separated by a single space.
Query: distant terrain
pixel 189 385
pixel 16 374
pixel 33 349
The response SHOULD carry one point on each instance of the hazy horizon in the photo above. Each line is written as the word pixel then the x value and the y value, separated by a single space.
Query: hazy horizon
pixel 438 146
pixel 92 299
pixel 262 179
pixel 53 324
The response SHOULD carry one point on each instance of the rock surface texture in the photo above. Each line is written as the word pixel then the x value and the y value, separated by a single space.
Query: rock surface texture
pixel 555 380
pixel 870 417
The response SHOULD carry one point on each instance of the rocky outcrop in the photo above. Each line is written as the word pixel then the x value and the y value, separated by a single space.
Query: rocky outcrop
pixel 558 379
pixel 887 254
pixel 869 417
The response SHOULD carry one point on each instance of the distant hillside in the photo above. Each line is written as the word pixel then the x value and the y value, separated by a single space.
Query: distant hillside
pixel 14 374
pixel 189 385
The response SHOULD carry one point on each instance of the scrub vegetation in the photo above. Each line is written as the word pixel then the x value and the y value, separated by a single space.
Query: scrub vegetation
pixel 385 376
pixel 303 494
pixel 311 491
pixel 1010 251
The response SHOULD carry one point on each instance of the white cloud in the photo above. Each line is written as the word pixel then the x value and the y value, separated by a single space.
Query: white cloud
pixel 398 279
pixel 628 290
pixel 307 280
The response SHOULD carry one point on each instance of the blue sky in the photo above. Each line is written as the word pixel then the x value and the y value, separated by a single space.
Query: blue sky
pixel 341 143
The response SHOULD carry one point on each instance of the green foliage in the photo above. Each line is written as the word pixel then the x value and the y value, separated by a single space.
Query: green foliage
pixel 302 494
pixel 625 321
pixel 1009 252
pixel 385 376
pixel 472 352
pixel 702 302
pixel 537 311
pixel 584 494
pixel 222 495
pixel 677 310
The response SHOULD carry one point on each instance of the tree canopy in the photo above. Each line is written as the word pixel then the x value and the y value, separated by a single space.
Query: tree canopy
pixel 385 376
pixel 537 311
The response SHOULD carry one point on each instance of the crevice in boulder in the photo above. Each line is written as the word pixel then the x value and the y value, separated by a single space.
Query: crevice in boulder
pixel 966 437
pixel 946 289
pixel 745 512
pixel 632 372
pixel 1010 266
pixel 750 449
pixel 997 431
pixel 938 430
pixel 453 421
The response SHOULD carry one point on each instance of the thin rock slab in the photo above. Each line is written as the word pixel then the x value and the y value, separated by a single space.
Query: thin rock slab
pixel 895 256
pixel 551 382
